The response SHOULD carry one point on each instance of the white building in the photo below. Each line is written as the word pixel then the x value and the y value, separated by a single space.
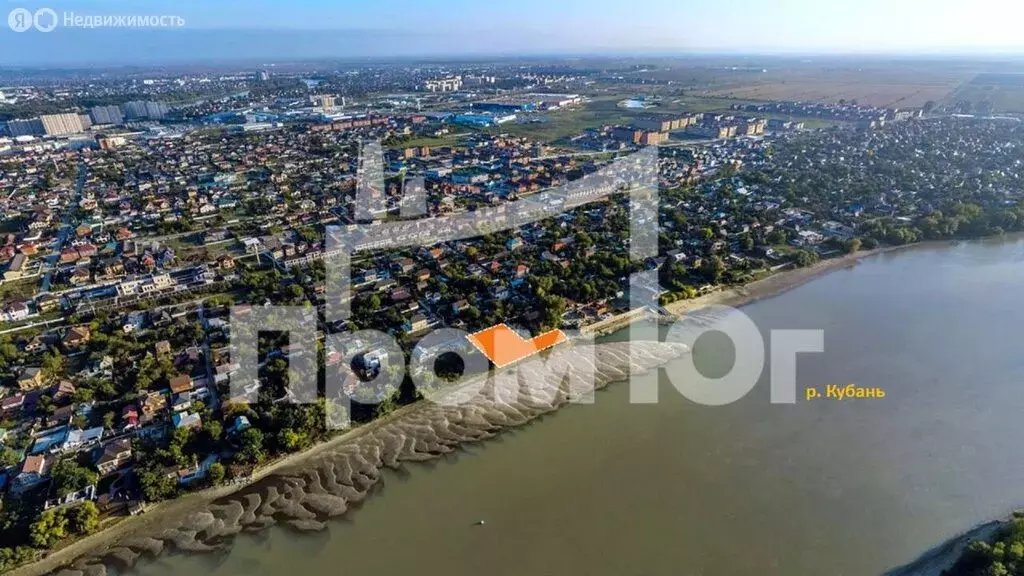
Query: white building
pixel 61 124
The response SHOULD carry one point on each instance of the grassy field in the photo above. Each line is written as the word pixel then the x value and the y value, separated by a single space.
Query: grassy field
pixel 990 92
pixel 832 91
pixel 23 289
pixel 874 83
pixel 714 104
pixel 563 123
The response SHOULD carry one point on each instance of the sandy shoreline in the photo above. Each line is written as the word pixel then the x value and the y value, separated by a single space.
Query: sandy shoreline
pixel 167 513
pixel 305 490
pixel 777 283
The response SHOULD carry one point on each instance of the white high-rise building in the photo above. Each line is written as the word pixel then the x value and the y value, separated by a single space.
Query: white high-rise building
pixel 145 110
pixel 61 124
pixel 32 127
pixel 107 115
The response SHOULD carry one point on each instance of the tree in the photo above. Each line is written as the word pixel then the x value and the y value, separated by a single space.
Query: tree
pixel 216 473
pixel 83 517
pixel 928 106
pixel 52 365
pixel 11 558
pixel 292 440
pixel 8 351
pixel 295 291
pixel 712 269
pixel 69 477
pixel 252 451
pixel 853 246
pixel 386 406
pixel 50 528
pixel 9 457
pixel 156 485
pixel 806 258
pixel 213 430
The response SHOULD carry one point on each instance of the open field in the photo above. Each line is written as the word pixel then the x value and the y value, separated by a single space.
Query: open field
pixel 990 92
pixel 896 87
pixel 869 81
pixel 715 104
pixel 869 94
pixel 563 123
pixel 22 289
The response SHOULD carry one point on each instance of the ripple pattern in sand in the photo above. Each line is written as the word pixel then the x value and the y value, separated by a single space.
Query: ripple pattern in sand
pixel 328 484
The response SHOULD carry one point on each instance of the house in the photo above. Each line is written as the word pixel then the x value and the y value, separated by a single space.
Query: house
pixel 162 347
pixel 197 471
pixel 240 424
pixel 16 269
pixel 460 306
pixel 114 455
pixel 37 343
pixel 549 257
pixel 181 384
pixel 12 403
pixel 79 276
pixel 30 378
pixel 400 294
pixel 86 251
pixel 226 262
pixel 49 303
pixel 187 420
pixel 33 471
pixel 16 312
pixel 562 244
pixel 68 255
pixel 182 402
pixel 77 336
pixel 78 439
pixel 129 417
pixel 153 402
pixel 222 372
pixel 49 439
pixel 403 265
pixel 63 391
pixel 416 323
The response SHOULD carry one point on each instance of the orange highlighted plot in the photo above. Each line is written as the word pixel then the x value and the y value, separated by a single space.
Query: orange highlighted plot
pixel 503 346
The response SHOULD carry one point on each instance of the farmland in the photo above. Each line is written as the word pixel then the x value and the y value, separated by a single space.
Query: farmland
pixel 897 87
pixel 990 92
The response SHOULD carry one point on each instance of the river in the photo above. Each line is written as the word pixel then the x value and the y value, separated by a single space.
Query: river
pixel 851 487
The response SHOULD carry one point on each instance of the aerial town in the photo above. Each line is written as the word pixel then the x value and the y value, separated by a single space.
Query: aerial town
pixel 140 212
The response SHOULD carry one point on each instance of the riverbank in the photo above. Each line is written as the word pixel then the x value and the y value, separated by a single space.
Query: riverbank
pixel 776 283
pixel 166 512
pixel 303 491
pixel 940 559
pixel 773 285
pixel 169 513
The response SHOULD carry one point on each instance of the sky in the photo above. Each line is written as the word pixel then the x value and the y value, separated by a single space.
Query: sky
pixel 361 28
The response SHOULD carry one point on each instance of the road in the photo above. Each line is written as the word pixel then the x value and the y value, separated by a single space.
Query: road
pixel 65 229
pixel 208 357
